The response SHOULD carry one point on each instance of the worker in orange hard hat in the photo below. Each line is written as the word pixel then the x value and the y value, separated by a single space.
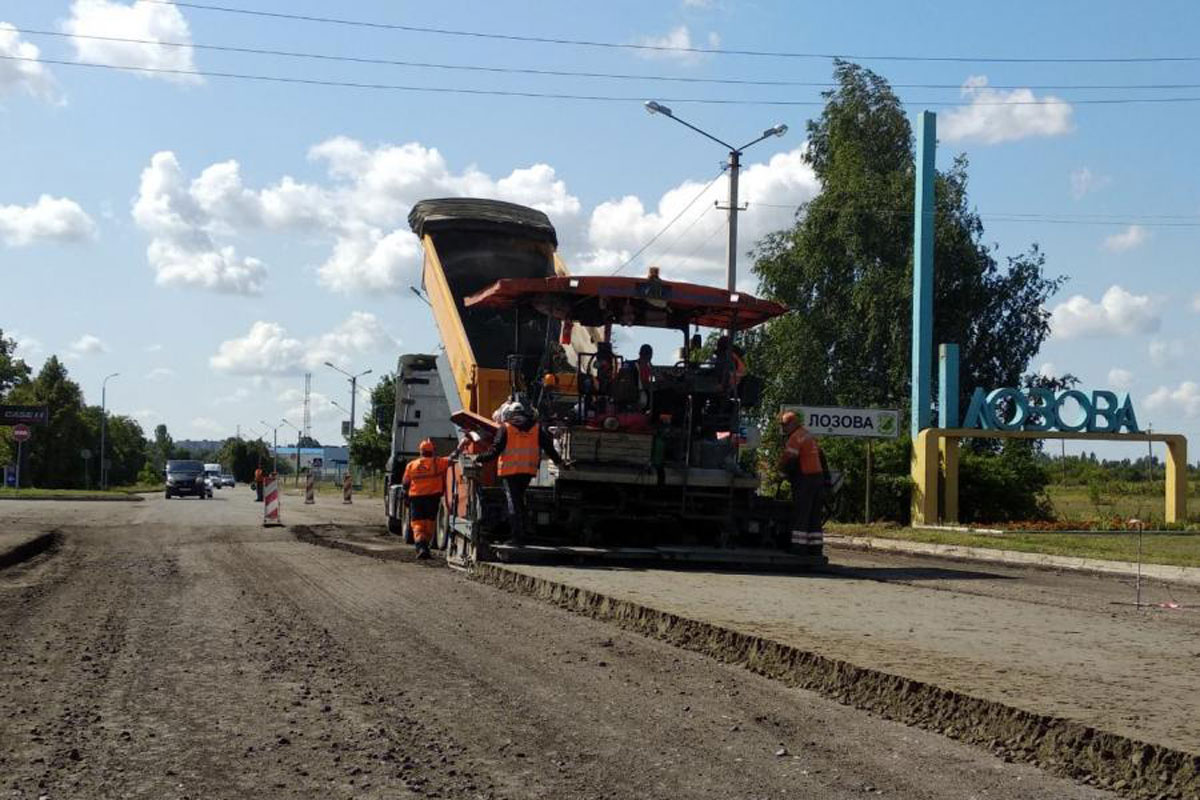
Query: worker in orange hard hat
pixel 804 466
pixel 519 445
pixel 422 488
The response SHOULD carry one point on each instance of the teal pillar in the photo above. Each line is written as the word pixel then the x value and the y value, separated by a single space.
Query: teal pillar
pixel 922 294
pixel 948 386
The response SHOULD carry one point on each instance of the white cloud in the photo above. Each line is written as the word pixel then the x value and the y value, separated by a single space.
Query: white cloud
pixel 153 348
pixel 678 46
pixel 1120 379
pixel 995 116
pixel 1196 303
pixel 207 427
pixel 1048 370
pixel 17 73
pixel 28 348
pixel 694 247
pixel 182 250
pixel 87 345
pixel 236 396
pixel 1084 182
pixel 1131 237
pixel 268 349
pixel 49 219
pixel 363 210
pixel 145 415
pixel 1118 312
pixel 1166 352
pixel 152 23
pixel 1184 399
pixel 159 373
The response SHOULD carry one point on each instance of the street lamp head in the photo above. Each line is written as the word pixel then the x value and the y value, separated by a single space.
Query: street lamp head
pixel 330 365
pixel 658 108
pixel 778 130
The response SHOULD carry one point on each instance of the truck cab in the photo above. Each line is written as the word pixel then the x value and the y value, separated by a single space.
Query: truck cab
pixel 421 412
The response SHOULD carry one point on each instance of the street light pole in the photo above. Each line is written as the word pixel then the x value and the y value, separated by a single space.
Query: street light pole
pixel 104 429
pixel 735 168
pixel 353 396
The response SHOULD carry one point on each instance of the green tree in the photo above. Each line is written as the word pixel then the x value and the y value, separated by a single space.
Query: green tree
pixel 845 268
pixel 372 443
pixel 159 450
pixel 242 457
pixel 12 369
pixel 54 450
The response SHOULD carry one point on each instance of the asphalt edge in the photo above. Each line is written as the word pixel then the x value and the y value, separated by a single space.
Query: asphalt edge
pixel 24 551
pixel 133 498
pixel 1071 749
pixel 1017 558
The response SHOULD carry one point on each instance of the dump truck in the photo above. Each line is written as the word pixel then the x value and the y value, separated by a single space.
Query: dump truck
pixel 654 462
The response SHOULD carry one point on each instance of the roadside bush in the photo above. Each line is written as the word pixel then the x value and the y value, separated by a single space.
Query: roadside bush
pixel 1003 487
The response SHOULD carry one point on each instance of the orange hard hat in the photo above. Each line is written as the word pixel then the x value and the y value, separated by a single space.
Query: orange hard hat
pixel 788 419
pixel 426 447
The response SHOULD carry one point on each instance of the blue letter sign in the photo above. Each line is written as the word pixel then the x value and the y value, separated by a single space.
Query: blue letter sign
pixel 1011 409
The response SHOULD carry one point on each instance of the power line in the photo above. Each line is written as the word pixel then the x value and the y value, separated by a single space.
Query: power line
pixel 672 48
pixel 558 73
pixel 666 248
pixel 1147 220
pixel 570 96
pixel 674 219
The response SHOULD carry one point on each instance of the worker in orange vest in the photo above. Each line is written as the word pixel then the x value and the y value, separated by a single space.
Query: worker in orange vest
pixel 258 483
pixel 519 445
pixel 422 487
pixel 804 465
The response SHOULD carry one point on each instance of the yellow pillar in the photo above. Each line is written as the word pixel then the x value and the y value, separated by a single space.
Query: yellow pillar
pixel 948 447
pixel 1177 483
pixel 925 477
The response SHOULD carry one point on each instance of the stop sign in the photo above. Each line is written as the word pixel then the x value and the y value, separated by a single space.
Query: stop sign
pixel 20 433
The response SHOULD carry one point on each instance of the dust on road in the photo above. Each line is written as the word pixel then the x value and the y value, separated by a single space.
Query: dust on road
pixel 178 649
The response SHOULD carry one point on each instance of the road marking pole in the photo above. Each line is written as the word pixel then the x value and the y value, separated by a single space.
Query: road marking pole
pixel 271 503
pixel 347 488
pixel 308 490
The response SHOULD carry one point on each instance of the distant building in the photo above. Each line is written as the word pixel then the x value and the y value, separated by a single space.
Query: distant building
pixel 333 460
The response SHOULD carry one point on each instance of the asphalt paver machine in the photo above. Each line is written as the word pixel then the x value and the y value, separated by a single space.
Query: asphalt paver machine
pixel 656 470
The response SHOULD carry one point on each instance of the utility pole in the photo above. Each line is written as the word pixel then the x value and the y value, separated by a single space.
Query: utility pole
pixel 353 396
pixel 299 433
pixel 274 446
pixel 735 167
pixel 104 429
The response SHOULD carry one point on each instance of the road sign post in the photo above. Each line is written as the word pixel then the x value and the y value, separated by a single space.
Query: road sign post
pixel 20 434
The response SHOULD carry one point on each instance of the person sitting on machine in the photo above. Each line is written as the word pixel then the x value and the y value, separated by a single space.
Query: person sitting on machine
pixel 519 444
pixel 730 366
pixel 645 376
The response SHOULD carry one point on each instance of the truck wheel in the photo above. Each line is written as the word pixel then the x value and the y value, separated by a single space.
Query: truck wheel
pixel 167 495
pixel 406 524
pixel 441 537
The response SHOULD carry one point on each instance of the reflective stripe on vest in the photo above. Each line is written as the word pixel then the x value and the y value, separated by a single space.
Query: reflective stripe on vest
pixel 521 451
pixel 426 476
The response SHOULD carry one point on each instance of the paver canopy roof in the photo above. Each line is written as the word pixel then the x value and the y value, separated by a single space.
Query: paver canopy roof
pixel 646 302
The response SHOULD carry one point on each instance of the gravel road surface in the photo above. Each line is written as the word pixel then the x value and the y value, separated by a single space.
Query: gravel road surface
pixel 177 649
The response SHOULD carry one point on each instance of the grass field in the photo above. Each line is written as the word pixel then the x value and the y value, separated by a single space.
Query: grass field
pixel 1176 549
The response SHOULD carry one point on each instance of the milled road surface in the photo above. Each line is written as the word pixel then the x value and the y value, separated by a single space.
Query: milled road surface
pixel 178 649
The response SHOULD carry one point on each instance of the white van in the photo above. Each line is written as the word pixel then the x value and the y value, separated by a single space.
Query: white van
pixel 213 473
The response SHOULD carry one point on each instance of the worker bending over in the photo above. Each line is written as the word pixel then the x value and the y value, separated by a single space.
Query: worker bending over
pixel 519 444
pixel 804 466
pixel 422 488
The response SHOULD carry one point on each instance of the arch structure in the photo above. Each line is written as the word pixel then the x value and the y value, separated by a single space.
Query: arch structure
pixel 935 467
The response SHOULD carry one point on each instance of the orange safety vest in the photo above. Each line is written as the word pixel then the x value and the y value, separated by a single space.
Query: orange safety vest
pixel 426 475
pixel 521 451
pixel 802 449
pixel 258 476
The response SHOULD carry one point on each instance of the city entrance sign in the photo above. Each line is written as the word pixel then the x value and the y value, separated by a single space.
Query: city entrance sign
pixel 1039 410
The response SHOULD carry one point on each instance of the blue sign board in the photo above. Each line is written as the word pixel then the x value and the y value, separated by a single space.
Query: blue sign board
pixel 1072 411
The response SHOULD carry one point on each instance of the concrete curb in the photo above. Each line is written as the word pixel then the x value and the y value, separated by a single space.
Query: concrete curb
pixel 1128 766
pixel 29 548
pixel 1125 569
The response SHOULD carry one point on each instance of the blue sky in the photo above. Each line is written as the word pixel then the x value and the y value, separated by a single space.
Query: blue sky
pixel 213 239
